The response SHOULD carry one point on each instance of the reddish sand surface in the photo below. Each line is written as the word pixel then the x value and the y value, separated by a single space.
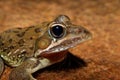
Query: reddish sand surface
pixel 101 17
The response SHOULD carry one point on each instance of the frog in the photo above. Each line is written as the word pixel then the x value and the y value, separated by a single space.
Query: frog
pixel 29 49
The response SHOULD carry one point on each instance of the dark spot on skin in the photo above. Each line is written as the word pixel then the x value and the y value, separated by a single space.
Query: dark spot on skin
pixel 31 48
pixel 10 40
pixel 21 34
pixel 1 44
pixel 37 30
pixel 24 52
pixel 31 26
pixel 11 47
pixel 16 31
pixel 19 28
pixel 21 42
pixel 31 38
pixel 5 49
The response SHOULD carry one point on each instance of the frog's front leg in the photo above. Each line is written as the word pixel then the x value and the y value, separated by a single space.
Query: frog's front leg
pixel 29 66
pixel 1 66
pixel 14 60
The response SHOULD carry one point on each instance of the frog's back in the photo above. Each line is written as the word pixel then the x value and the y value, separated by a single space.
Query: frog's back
pixel 20 39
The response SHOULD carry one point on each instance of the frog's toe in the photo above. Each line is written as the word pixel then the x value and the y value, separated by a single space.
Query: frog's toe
pixel 1 66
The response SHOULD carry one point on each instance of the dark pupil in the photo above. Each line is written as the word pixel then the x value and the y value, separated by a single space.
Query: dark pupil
pixel 57 31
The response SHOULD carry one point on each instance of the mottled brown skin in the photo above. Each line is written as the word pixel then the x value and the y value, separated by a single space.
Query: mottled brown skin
pixel 32 48
pixel 21 38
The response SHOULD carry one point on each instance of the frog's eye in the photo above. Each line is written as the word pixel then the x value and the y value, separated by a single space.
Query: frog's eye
pixel 57 30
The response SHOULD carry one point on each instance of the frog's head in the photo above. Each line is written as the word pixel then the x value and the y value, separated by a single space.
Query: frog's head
pixel 60 36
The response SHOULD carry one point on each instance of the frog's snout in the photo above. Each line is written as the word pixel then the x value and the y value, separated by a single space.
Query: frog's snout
pixel 79 33
pixel 86 35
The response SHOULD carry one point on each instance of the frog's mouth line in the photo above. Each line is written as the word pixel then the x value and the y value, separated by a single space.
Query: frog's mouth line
pixel 66 45
pixel 63 45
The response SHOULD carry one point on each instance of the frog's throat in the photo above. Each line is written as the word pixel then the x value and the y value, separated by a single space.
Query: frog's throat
pixel 56 57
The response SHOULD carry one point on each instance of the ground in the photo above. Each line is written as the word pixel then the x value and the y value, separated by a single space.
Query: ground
pixel 101 17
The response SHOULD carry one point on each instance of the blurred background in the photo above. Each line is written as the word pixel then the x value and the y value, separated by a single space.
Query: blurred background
pixel 101 17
